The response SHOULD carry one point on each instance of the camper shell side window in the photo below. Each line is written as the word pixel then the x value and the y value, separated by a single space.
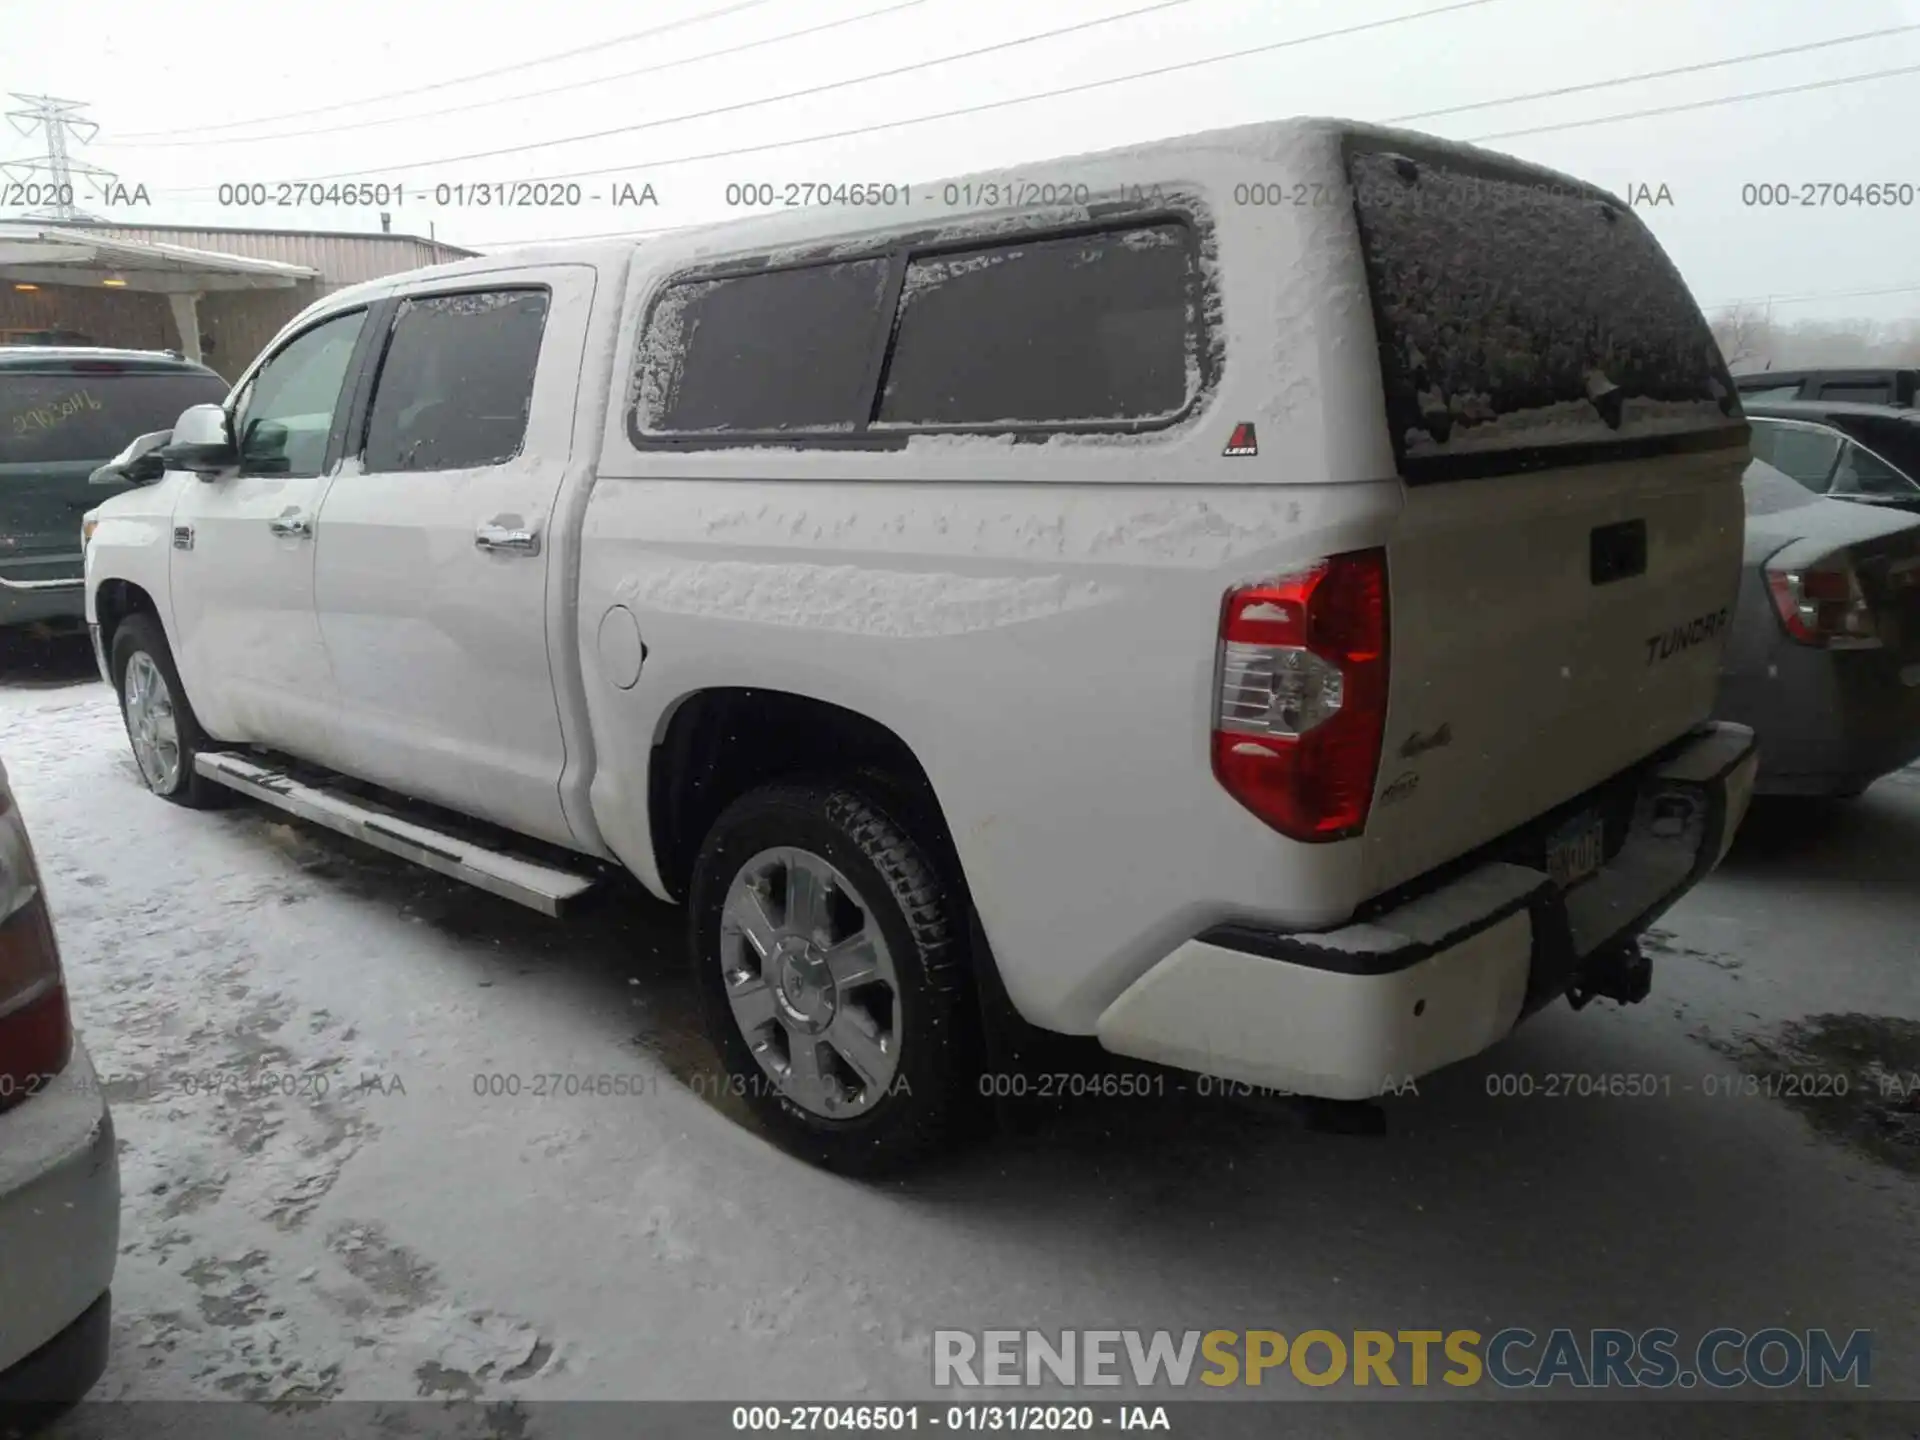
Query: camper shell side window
pixel 1096 328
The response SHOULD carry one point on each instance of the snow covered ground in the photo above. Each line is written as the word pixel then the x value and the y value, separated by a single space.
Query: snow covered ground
pixel 323 1199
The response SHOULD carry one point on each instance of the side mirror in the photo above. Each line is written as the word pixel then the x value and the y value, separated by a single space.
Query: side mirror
pixel 202 441
pixel 138 464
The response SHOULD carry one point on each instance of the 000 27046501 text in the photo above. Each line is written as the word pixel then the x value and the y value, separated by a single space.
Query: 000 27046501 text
pixel 549 1085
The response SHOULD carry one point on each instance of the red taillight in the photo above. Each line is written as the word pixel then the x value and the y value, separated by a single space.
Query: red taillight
pixel 1823 604
pixel 36 1032
pixel 1302 705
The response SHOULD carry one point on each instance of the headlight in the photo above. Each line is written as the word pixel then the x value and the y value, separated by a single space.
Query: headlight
pixel 88 524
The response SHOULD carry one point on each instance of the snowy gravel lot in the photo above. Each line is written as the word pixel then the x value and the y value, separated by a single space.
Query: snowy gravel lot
pixel 357 1221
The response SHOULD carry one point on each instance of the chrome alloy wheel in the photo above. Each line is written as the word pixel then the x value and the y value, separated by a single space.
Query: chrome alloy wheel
pixel 811 983
pixel 151 724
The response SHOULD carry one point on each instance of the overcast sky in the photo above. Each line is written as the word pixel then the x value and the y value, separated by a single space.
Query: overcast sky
pixel 169 85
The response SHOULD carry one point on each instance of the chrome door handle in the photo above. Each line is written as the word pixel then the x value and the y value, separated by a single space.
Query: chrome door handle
pixel 293 523
pixel 515 542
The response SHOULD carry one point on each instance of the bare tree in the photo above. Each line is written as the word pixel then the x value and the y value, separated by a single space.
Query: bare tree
pixel 1745 336
pixel 1750 341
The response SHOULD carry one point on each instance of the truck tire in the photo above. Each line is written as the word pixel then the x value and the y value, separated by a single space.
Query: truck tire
pixel 161 725
pixel 831 961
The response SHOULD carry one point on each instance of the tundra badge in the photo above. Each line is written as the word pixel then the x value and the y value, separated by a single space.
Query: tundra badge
pixel 1684 637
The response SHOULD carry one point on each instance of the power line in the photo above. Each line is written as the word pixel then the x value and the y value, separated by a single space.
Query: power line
pixel 1809 298
pixel 739 105
pixel 1657 74
pixel 538 94
pixel 568 239
pixel 518 65
pixel 1169 69
pixel 1144 74
pixel 1345 30
pixel 660 164
pixel 1700 104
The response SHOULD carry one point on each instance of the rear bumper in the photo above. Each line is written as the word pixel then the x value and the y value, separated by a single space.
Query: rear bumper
pixel 43 587
pixel 59 1233
pixel 1350 1013
pixel 23 605
pixel 1829 722
pixel 61 1371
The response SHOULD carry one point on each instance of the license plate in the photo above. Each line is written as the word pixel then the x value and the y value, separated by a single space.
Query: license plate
pixel 1576 850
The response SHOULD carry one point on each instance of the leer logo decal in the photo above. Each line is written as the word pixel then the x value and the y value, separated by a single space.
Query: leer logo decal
pixel 1242 442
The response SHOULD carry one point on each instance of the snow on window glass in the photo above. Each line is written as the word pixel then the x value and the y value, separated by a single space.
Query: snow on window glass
pixel 1512 312
pixel 781 350
pixel 456 385
pixel 1089 328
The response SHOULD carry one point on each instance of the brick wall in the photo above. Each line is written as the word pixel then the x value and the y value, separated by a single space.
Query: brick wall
pixel 110 317
pixel 235 325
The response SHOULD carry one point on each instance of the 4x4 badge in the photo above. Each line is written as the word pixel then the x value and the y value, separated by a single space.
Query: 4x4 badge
pixel 1242 442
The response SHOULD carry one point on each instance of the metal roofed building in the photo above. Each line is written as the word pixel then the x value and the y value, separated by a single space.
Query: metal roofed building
pixel 215 295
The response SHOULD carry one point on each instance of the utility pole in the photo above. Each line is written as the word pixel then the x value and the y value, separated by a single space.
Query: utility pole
pixel 54 171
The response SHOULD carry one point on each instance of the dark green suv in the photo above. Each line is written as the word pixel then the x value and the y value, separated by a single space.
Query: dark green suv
pixel 63 413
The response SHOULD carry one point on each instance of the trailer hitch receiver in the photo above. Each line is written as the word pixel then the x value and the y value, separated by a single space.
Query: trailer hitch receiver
pixel 1621 972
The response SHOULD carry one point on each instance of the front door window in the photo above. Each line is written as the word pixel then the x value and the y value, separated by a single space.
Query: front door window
pixel 287 411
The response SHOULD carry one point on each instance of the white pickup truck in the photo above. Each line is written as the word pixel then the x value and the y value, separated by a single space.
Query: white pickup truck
pixel 1255 599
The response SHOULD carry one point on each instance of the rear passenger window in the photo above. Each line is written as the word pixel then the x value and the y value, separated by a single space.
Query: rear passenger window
pixel 781 350
pixel 1093 328
pixel 456 383
pixel 1805 453
pixel 1861 472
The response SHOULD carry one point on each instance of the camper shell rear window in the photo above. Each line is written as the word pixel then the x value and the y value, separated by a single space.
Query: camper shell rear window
pixel 1525 322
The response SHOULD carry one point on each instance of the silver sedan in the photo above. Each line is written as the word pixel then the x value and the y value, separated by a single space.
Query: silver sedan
pixel 1824 659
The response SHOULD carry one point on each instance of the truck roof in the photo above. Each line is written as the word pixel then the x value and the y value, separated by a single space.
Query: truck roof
pixel 552 252
pixel 1218 153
